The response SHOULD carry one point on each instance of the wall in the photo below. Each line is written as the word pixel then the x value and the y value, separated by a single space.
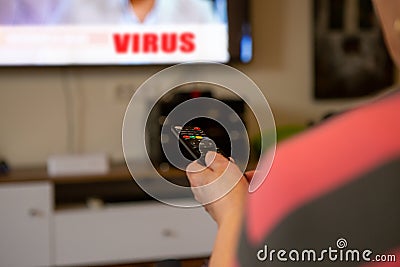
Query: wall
pixel 36 102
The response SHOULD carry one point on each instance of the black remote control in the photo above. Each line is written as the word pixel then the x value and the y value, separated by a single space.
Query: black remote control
pixel 196 142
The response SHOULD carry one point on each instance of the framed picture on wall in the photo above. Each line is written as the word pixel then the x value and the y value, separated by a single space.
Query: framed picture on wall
pixel 350 57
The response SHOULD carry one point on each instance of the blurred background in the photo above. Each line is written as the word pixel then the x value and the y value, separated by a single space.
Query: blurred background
pixel 56 110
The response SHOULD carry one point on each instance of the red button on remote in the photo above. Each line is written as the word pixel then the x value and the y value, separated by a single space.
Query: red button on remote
pixel 186 136
pixel 196 128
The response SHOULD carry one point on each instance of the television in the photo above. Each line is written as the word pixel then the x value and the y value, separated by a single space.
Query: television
pixel 123 32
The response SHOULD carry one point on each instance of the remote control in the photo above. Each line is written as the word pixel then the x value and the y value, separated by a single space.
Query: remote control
pixel 196 142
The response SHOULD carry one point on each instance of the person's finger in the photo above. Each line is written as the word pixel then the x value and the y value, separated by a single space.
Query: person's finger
pixel 215 161
pixel 197 174
pixel 194 167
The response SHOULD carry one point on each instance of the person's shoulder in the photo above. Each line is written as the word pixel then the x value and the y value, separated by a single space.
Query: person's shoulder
pixel 91 12
pixel 187 11
pixel 338 153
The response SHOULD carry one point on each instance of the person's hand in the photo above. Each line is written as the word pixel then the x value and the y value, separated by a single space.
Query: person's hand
pixel 222 189
pixel 222 202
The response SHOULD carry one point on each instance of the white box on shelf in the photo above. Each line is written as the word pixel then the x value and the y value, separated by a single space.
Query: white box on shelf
pixel 77 164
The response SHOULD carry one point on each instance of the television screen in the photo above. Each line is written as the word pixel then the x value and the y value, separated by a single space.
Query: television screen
pixel 113 32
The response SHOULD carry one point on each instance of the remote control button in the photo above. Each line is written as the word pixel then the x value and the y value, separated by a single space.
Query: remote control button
pixel 186 136
pixel 192 137
pixel 199 137
pixel 196 128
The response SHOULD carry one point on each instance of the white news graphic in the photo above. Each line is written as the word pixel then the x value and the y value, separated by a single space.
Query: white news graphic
pixel 55 45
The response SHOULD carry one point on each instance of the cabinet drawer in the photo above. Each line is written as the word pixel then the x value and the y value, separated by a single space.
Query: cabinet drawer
pixel 25 221
pixel 135 232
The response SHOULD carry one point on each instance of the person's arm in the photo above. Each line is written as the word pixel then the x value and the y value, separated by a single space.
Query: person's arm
pixel 225 246
pixel 226 211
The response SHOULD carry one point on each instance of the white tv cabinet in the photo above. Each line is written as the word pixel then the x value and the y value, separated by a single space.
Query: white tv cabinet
pixel 45 222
